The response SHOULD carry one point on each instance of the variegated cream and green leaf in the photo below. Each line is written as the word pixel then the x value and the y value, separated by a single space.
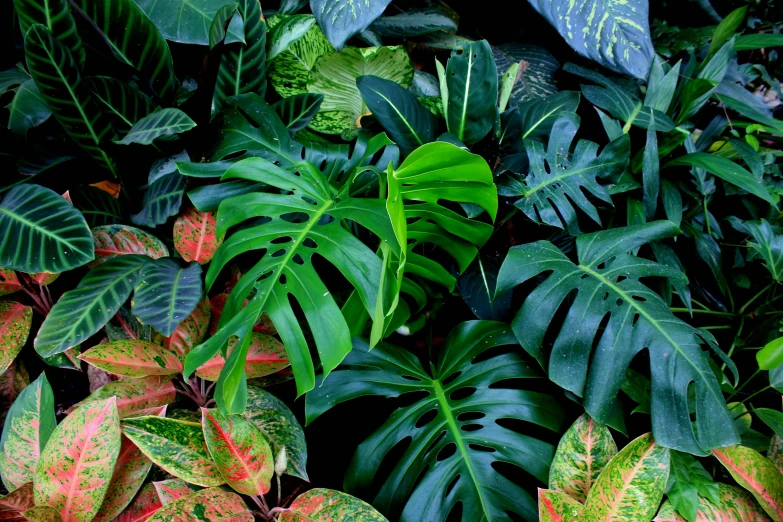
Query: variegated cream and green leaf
pixel 133 358
pixel 735 505
pixel 119 240
pixel 207 505
pixel 756 474
pixel 166 293
pixel 130 471
pixel 289 30
pixel 582 453
pixel 631 486
pixel 15 322
pixel 56 16
pixel 136 395
pixel 328 505
pixel 556 506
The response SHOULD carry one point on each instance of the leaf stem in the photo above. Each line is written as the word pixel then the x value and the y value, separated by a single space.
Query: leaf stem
pixel 765 388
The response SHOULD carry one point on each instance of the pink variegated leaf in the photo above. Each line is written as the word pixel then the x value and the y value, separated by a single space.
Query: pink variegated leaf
pixel 736 505
pixel 327 505
pixel 170 490
pixel 118 240
pixel 143 506
pixel 9 283
pixel 18 500
pixel 556 506
pixel 265 356
pixel 12 382
pixel 757 475
pixel 136 395
pixel 15 322
pixel 42 514
pixel 190 332
pixel 211 504
pixel 195 237
pixel 130 471
pixel 133 358
pixel 218 302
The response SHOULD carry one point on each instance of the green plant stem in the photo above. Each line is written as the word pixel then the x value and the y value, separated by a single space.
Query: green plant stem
pixel 750 301
pixel 708 312
pixel 765 388
pixel 721 327
pixel 741 386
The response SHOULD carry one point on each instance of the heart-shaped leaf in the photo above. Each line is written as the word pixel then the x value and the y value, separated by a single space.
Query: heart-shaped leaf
pixel 195 238
pixel 130 471
pixel 327 505
pixel 119 240
pixel 265 356
pixel 556 506
pixel 342 19
pixel 207 504
pixel 133 358
pixel 190 332
pixel 136 395
pixel 143 507
pixel 161 124
pixel 15 322
pixel 166 294
pixel 757 475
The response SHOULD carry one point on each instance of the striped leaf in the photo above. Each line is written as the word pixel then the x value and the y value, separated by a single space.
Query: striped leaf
pixel 207 504
pixel 18 500
pixel 81 312
pixel 757 475
pixel 327 505
pixel 60 83
pixel 170 490
pixel 342 19
pixel 631 485
pixel 133 358
pixel 15 322
pixel 296 111
pixel 161 200
pixel 735 505
pixel 240 451
pixel 583 452
pixel 289 70
pixel 195 237
pixel 189 332
pixel 147 51
pixel 290 29
pixel 143 507
pixel 243 65
pixel 28 109
pixel 97 206
pixel 227 26
pixel 176 446
pixel 28 426
pixel 164 123
pixel 556 506
pixel 42 232
pixel 166 294
pixel 130 471
pixel 9 283
pixel 136 395
pixel 265 356
pixel 56 16
pixel 124 102
pixel 119 240
pixel 184 21
pixel 76 466
pixel 614 34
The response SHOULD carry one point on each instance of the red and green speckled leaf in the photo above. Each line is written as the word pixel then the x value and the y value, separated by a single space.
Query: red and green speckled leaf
pixel 240 451
pixel 133 358
pixel 775 452
pixel 118 240
pixel 12 382
pixel 170 490
pixel 583 452
pixel 190 332
pixel 42 514
pixel 9 283
pixel 129 473
pixel 143 506
pixel 27 428
pixel 176 446
pixel 15 322
pixel 76 466
pixel 135 396
pixel 736 505
pixel 265 356
pixel 556 506
pixel 631 486
pixel 195 237
pixel 212 504
pixel 18 500
pixel 327 505
pixel 757 475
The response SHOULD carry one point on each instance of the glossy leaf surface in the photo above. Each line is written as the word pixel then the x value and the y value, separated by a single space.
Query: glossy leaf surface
pixel 166 293
pixel 296 111
pixel 190 332
pixel 556 506
pixel 56 16
pixel 265 356
pixel 184 21
pixel 342 19
pixel 207 504
pixel 195 237
pixel 133 358
pixel 161 200
pixel 136 395
pixel 119 240
pixel 143 506
pixel 472 81
pixel 130 471
pixel 289 71
pixel 164 123
pixel 125 103
pixel 735 505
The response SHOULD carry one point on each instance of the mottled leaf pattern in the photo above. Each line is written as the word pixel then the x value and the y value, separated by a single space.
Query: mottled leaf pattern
pixel 136 395
pixel 190 332
pixel 327 505
pixel 212 504
pixel 19 499
pixel 195 238
pixel 133 358
pixel 42 514
pixel 129 473
pixel 756 474
pixel 12 382
pixel 161 124
pixel 15 322
pixel 166 294
pixel 289 70
pixel 143 507
pixel 76 465
pixel 118 240
pixel 172 489
pixel 736 505
pixel 556 506
pixel 265 356
pixel 583 452
pixel 775 452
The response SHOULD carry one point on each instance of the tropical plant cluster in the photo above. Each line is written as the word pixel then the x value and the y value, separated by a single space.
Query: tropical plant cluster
pixel 341 260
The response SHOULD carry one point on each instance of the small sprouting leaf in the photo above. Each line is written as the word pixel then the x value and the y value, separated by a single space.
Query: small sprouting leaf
pixel 190 332
pixel 342 19
pixel 136 395
pixel 161 124
pixel 166 294
pixel 144 506
pixel 556 506
pixel 15 322
pixel 207 504
pixel 265 356
pixel 176 446
pixel 195 238
pixel 133 358
pixel 119 240
pixel 756 474
pixel 583 452
pixel 76 466
pixel 130 471
pixel 327 505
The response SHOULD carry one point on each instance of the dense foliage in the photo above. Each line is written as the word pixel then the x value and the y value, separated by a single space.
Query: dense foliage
pixel 433 237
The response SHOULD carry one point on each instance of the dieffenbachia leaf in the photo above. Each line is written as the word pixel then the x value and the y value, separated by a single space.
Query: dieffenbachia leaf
pixel 734 505
pixel 184 21
pixel 756 474
pixel 556 506
pixel 176 446
pixel 342 19
pixel 207 504
pixel 28 426
pixel 125 103
pixel 56 16
pixel 195 237
pixel 289 30
pixel 240 451
pixel 135 395
pixel 119 240
pixel 415 22
pixel 327 505
pixel 144 505
pixel 606 279
pixel 727 170
pixel 133 358
pixel 130 471
pixel 265 356
pixel 76 466
pixel 615 34
pixel 166 293
pixel 583 452
pixel 42 232
pixel 164 123
pixel 298 110
pixel 535 76
pixel 15 322
pixel 631 486
pixel 472 87
pixel 190 332
pixel 81 312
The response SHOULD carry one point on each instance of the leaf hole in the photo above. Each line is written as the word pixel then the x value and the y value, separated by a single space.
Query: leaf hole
pixel 471 427
pixel 446 451
pixel 462 393
pixel 325 219
pixel 298 259
pixel 448 380
pixel 309 243
pixel 470 415
pixel 281 240
pixel 426 418
pixel 479 447
pixel 278 253
pixel 282 279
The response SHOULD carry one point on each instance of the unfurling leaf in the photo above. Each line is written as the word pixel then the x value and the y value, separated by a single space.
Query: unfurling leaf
pixel 133 359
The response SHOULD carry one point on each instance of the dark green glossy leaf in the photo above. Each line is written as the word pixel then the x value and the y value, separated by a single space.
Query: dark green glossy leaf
pixel 472 86
pixel 56 16
pixel 651 167
pixel 161 200
pixel 296 111
pixel 97 206
pixel 538 116
pixel 126 103
pixel 28 109
pixel 772 418
pixel 342 19
pixel 727 170
pixel 476 286
pixel 290 29
pixel 161 124
pixel 225 28
pixel 184 21
pixel 166 293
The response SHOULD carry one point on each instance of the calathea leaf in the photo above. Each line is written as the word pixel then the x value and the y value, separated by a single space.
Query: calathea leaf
pixel 342 19
pixel 472 87
pixel 184 21
pixel 43 232
pixel 189 332
pixel 130 471
pixel 322 505
pixel 75 467
pixel 98 207
pixel 414 22
pixel 606 279
pixel 733 504
pixel 126 103
pixel 616 35
pixel 27 427
pixel 227 26
pixel 466 476
pixel 71 102
pixel 28 109
pixel 81 312
pixel 756 474
pixel 207 504
pixel 133 359
pixel 135 395
pixel 56 17
pixel 162 200
pixel 166 293
pixel 164 123
pixel 555 506
pixel 118 240
pixel 290 29
pixel 15 322
pixel 296 111
pixel 265 356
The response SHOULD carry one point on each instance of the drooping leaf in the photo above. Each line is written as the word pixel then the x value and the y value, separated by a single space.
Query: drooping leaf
pixel 57 18
pixel 289 71
pixel 143 506
pixel 757 475
pixel 583 452
pixel 207 504
pixel 75 468
pixel 555 506
pixel 298 110
pixel 28 109
pixel 342 19
pixel 26 429
pixel 127 104
pixel 119 240
pixel 327 505
pixel 133 359
pixel 466 476
pixel 136 395
pixel 606 279
pixel 81 312
pixel 43 232
pixel 472 86
pixel 195 238
pixel 290 29
pixel 166 293
pixel 725 169
pixel 176 446
pixel 130 471
pixel 161 200
pixel 15 322
pixel 164 123
pixel 265 356
pixel 184 21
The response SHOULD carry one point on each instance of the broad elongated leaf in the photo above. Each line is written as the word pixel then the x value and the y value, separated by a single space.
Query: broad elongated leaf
pixel 296 111
pixel 195 237
pixel 98 207
pixel 136 395
pixel 606 279
pixel 28 426
pixel 190 332
pixel 130 471
pixel 75 468
pixel 42 232
pixel 735 505
pixel 161 200
pixel 265 356
pixel 133 358
pixel 615 34
pixel 28 109
pixel 176 446
pixel 535 76
pixel 472 86
pixel 119 240
pixel 556 506
pixel 757 475
pixel 466 476
pixel 537 117
pixel 414 22
pixel 290 29
pixel 172 489
pixel 207 504
pixel 166 293
pixel 143 507
pixel 342 19
pixel 327 505
pixel 81 312
pixel 15 322
pixel 583 452
pixel 127 104
pixel 58 80
pixel 289 71
pixel 184 21
pixel 12 382
pixel 161 124
pixel 631 486
pixel 727 170
pixel 56 16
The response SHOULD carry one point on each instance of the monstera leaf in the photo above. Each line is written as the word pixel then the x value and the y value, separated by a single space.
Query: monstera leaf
pixel 57 18
pixel 341 19
pixel 606 281
pixel 184 21
pixel 614 34
pixel 426 481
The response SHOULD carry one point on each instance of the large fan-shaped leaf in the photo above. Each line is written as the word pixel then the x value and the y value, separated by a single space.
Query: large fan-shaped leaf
pixel 56 16
pixel 166 293
pixel 130 471
pixel 606 281
pixel 81 312
pixel 195 238
pixel 42 232
pixel 327 505
pixel 72 103
pixel 136 395
pixel 756 474
pixel 615 34
pixel 161 124
pixel 341 19
pixel 207 504
pixel 133 358
pixel 425 482
pixel 15 322
pixel 184 21
pixel 126 103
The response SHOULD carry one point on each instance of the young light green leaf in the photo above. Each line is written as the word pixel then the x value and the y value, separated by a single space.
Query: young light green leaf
pixel 15 322
pixel 166 293
pixel 133 358
pixel 556 506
